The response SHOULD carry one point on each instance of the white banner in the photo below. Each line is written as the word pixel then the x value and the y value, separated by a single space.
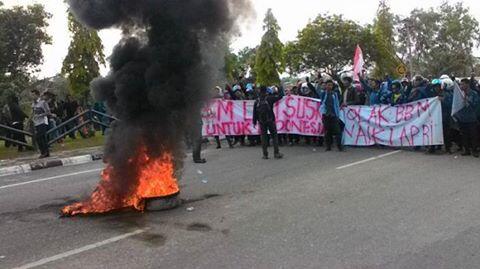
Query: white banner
pixel 295 115
pixel 414 124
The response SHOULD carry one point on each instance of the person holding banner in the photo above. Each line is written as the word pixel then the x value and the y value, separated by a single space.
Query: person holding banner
pixel 446 98
pixel 330 109
pixel 467 119
pixel 263 114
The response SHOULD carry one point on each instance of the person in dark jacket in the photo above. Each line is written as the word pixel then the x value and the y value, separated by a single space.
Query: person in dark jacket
pixel 18 118
pixel 70 107
pixel 349 92
pixel 467 119
pixel 418 91
pixel 264 115
pixel 330 109
pixel 446 98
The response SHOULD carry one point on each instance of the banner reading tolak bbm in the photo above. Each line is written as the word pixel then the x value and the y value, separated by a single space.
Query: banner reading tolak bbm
pixel 414 124
pixel 295 115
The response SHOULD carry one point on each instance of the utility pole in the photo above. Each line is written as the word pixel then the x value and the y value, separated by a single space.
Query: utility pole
pixel 409 44
pixel 408 26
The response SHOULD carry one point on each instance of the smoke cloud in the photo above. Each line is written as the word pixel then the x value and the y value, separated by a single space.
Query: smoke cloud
pixel 161 72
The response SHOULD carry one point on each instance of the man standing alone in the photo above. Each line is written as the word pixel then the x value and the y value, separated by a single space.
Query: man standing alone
pixel 41 111
pixel 263 114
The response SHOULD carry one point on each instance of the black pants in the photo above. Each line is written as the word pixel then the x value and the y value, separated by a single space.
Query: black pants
pixel 469 134
pixel 448 136
pixel 332 129
pixel 197 139
pixel 41 137
pixel 19 136
pixel 272 128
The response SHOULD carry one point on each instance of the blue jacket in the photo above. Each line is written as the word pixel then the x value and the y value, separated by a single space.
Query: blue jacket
pixel 373 96
pixel 468 113
pixel 336 103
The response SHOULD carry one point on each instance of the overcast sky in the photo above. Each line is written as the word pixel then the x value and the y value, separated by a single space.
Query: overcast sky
pixel 292 16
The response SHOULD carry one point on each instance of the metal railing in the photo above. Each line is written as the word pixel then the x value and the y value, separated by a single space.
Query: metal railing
pixel 11 130
pixel 59 132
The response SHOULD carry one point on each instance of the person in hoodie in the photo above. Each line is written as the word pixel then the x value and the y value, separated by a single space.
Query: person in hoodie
pixel 372 89
pixel 397 95
pixel 264 115
pixel 467 119
pixel 330 109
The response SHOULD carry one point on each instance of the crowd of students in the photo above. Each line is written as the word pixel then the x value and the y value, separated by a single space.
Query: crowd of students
pixel 47 112
pixel 462 129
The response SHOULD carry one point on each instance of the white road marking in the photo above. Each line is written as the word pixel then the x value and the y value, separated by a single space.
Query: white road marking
pixel 78 250
pixel 369 160
pixel 50 178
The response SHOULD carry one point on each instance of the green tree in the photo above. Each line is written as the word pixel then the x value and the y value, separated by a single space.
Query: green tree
pixel 82 63
pixel 440 41
pixel 24 31
pixel 232 66
pixel 269 55
pixel 246 62
pixel 384 55
pixel 327 44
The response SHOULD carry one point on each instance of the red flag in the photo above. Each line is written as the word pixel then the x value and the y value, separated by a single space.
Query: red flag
pixel 358 63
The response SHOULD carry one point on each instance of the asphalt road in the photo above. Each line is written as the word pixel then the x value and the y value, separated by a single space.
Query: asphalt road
pixel 363 209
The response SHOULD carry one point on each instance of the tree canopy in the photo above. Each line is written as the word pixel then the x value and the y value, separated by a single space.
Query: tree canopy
pixel 269 55
pixel 24 31
pixel 326 44
pixel 82 63
pixel 240 65
pixel 439 41
pixel 384 55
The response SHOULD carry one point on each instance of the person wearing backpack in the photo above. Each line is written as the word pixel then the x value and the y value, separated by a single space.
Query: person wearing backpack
pixel 264 115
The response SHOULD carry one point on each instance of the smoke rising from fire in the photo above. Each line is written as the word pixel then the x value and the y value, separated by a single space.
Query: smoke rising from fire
pixel 161 72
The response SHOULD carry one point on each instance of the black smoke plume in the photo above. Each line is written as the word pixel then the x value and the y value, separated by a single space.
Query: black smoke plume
pixel 161 72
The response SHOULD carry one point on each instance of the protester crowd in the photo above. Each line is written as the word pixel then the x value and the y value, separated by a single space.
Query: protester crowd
pixel 461 129
pixel 47 112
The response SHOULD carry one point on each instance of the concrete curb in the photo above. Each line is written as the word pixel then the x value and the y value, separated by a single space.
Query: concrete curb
pixel 38 165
